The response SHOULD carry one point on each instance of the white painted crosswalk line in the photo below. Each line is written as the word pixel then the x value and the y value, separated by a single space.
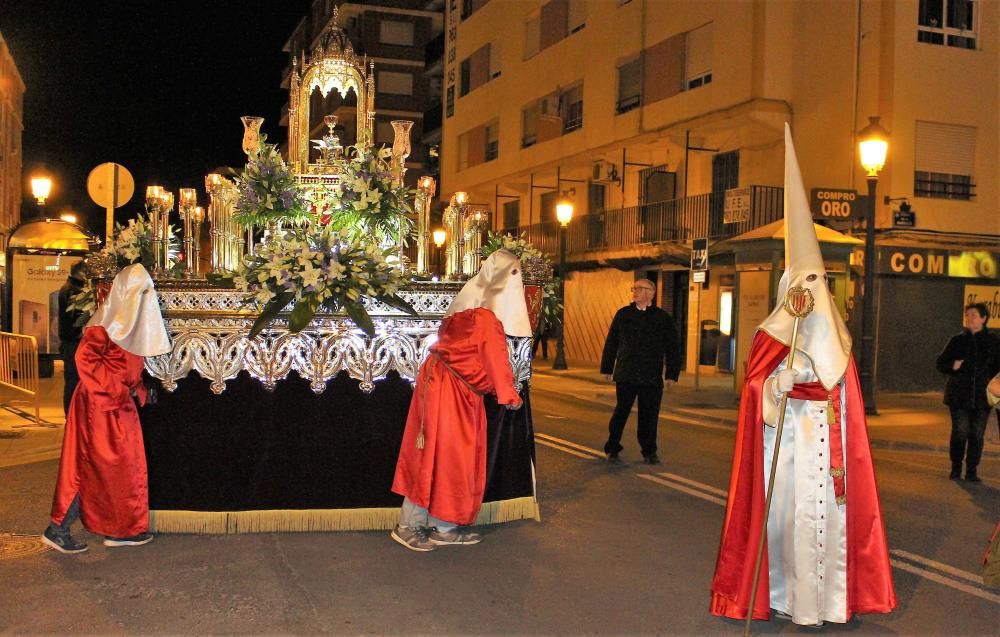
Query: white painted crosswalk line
pixel 941 579
pixel 566 443
pixel 696 484
pixel 940 566
pixel 571 452
pixel 683 489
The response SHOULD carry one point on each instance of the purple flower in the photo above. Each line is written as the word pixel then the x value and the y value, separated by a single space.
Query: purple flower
pixel 287 198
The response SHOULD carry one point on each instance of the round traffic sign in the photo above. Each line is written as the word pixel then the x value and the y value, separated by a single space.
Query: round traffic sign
pixel 110 185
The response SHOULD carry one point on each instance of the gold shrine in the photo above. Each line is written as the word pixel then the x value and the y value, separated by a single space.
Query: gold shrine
pixel 333 65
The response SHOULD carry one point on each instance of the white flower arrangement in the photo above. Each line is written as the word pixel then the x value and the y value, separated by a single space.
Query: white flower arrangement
pixel 313 268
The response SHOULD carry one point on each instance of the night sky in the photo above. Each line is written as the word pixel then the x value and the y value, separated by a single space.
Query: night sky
pixel 157 86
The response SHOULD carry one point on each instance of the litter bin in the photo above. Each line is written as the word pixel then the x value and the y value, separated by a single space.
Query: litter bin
pixel 709 343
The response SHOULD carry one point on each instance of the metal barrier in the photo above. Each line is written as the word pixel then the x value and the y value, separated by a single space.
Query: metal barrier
pixel 19 366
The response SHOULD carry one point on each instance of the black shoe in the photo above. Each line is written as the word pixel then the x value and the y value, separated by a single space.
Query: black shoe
pixel 956 474
pixel 970 476
pixel 135 540
pixel 613 458
pixel 62 543
pixel 651 459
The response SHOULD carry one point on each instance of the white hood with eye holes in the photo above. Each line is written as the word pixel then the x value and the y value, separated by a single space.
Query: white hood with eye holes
pixel 823 336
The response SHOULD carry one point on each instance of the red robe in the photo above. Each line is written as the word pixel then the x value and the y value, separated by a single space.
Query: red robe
pixel 448 475
pixel 103 458
pixel 869 579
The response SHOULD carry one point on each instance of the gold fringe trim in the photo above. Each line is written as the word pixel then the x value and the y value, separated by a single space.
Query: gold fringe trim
pixel 501 511
pixel 317 520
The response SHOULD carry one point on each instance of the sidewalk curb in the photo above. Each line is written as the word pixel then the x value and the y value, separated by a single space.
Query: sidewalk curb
pixel 667 410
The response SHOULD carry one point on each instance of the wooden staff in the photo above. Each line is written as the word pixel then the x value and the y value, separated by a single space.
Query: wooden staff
pixel 799 303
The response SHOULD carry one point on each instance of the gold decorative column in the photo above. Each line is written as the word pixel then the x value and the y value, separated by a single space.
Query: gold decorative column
pixel 454 220
pixel 422 207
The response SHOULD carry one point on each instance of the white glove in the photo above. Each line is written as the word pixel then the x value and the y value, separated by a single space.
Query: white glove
pixel 784 380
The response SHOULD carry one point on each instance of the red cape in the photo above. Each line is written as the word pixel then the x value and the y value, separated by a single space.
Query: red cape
pixel 869 579
pixel 103 457
pixel 448 475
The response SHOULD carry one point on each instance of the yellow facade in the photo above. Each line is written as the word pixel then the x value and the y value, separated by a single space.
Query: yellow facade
pixel 822 66
pixel 11 127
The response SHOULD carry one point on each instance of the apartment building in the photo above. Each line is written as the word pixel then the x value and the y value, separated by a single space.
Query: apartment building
pixel 393 35
pixel 662 120
pixel 11 128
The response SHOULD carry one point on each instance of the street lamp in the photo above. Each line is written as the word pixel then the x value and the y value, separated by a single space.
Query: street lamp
pixel 873 145
pixel 564 213
pixel 41 188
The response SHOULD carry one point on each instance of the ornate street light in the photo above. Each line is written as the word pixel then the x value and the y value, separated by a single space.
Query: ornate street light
pixel 564 214
pixel 41 188
pixel 873 146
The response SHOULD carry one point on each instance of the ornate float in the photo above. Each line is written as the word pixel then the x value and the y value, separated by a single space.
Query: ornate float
pixel 288 424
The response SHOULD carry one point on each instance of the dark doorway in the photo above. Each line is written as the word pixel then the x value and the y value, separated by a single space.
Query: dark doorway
pixel 657 186
pixel 725 175
pixel 596 217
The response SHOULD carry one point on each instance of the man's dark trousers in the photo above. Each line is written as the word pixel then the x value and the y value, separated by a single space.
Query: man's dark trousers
pixel 650 395
pixel 968 426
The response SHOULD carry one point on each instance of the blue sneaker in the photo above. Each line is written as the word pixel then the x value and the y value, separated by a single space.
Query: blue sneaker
pixel 62 542
pixel 135 540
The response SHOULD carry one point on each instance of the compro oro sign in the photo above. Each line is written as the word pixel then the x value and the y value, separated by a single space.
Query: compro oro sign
pixel 836 204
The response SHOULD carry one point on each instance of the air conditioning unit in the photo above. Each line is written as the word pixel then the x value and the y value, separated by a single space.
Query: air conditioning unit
pixel 602 170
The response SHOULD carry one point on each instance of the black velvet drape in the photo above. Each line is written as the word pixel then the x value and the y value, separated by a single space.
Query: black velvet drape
pixel 251 449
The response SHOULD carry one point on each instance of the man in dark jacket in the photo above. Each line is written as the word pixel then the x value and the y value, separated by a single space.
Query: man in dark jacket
pixel 69 331
pixel 641 350
pixel 970 360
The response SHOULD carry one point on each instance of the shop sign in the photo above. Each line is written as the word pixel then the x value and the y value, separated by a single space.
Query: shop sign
pixel 938 263
pixel 737 205
pixel 836 204
pixel 988 294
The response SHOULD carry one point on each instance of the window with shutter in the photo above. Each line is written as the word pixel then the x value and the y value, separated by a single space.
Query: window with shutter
pixel 577 16
pixel 395 32
pixel 629 85
pixel 532 35
pixel 395 83
pixel 944 161
pixel 492 140
pixel 512 214
pixel 571 102
pixel 698 57
pixel 529 124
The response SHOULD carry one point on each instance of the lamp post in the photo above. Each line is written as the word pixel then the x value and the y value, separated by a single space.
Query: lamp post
pixel 41 188
pixel 873 145
pixel 564 213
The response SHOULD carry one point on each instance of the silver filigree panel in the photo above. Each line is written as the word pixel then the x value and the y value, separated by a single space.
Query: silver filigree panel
pixel 209 332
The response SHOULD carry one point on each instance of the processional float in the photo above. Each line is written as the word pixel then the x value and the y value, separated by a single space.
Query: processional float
pixel 234 443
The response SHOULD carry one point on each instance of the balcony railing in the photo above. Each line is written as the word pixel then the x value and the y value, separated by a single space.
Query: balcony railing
pixel 673 221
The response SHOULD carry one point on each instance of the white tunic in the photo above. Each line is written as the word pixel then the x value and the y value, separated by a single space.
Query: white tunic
pixel 806 529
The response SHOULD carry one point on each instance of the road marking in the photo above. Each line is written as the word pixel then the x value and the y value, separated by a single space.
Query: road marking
pixel 563 449
pixel 941 579
pixel 697 423
pixel 951 570
pixel 566 443
pixel 705 492
pixel 696 484
pixel 683 489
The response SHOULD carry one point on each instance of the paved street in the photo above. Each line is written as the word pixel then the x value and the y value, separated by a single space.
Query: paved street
pixel 619 550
